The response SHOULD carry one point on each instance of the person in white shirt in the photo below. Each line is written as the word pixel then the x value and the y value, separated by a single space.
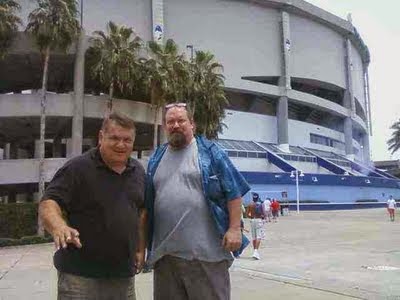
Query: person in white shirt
pixel 267 208
pixel 391 206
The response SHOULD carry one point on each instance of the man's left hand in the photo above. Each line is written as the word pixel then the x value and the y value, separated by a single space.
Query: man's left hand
pixel 139 261
pixel 232 239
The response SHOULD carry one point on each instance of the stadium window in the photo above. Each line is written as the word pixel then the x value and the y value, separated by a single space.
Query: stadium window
pixel 242 154
pixel 232 153
pixel 262 155
pixel 252 154
pixel 326 141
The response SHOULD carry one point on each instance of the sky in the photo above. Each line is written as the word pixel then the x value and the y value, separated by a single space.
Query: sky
pixel 379 26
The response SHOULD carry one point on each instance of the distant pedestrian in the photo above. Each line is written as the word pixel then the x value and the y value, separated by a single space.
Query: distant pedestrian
pixel 256 213
pixel 275 206
pixel 267 208
pixel 391 206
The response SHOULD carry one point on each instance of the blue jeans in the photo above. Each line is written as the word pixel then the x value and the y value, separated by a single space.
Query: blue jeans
pixel 73 287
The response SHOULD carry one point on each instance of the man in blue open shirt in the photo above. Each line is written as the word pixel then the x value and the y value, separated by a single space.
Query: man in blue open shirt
pixel 193 196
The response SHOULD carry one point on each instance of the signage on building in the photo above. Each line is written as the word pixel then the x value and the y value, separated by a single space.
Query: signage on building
pixel 287 44
pixel 158 33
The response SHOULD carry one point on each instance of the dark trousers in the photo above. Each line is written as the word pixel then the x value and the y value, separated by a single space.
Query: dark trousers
pixel 72 287
pixel 180 279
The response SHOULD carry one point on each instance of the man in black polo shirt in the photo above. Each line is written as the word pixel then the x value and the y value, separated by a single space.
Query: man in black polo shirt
pixel 101 241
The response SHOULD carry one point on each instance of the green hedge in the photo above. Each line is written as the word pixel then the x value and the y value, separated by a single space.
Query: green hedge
pixel 25 240
pixel 18 220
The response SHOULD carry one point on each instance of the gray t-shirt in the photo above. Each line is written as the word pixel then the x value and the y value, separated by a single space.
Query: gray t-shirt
pixel 183 225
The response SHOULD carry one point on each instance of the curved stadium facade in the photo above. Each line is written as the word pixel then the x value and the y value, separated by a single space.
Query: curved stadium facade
pixel 296 80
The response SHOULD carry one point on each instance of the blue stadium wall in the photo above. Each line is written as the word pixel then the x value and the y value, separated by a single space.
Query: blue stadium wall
pixel 329 188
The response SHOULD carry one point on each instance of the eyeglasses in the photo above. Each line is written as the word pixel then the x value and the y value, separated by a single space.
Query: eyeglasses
pixel 180 104
pixel 116 140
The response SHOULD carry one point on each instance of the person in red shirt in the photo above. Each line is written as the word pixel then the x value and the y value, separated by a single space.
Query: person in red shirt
pixel 275 209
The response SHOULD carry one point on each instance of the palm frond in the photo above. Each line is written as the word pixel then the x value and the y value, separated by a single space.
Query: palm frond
pixel 9 23
pixel 54 23
pixel 394 141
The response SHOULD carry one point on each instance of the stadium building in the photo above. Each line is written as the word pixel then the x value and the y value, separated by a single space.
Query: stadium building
pixel 296 79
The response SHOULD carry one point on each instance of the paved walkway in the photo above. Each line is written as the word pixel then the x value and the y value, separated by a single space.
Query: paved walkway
pixel 313 255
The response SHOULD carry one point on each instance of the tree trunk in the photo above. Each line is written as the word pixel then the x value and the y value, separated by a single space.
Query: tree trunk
pixel 110 100
pixel 42 133
pixel 155 133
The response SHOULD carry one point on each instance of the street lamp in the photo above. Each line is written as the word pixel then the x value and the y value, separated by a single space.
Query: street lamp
pixel 362 153
pixel 295 174
pixel 191 47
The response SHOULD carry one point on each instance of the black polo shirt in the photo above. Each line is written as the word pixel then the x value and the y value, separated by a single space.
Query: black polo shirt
pixel 103 206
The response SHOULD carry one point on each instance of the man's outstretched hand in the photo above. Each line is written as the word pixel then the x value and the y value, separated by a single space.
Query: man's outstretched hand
pixel 64 235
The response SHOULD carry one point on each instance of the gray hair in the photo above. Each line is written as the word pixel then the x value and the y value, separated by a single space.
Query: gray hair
pixel 120 119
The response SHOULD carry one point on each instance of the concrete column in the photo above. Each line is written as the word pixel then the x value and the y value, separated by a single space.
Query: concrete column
pixel 348 126
pixel 284 83
pixel 366 150
pixel 157 7
pixel 21 197
pixel 12 194
pixel 283 121
pixel 348 137
pixel 349 102
pixel 6 151
pixel 79 92
pixel 284 80
pixel 368 99
pixel 57 147
pixel 14 150
pixel 68 146
pixel 349 71
pixel 37 149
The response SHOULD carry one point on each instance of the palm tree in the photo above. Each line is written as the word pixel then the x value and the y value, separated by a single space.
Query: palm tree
pixel 8 24
pixel 394 141
pixel 206 95
pixel 167 77
pixel 54 25
pixel 116 57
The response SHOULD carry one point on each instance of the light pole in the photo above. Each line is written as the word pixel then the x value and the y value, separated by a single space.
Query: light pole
pixel 362 153
pixel 295 174
pixel 191 47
